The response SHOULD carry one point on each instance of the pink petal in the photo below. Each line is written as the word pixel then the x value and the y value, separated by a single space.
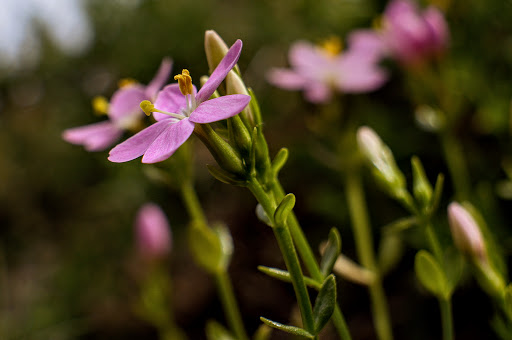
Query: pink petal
pixel 440 32
pixel 318 93
pixel 94 137
pixel 286 79
pixel 136 145
pixel 126 102
pixel 358 75
pixel 366 44
pixel 170 99
pixel 304 55
pixel 153 232
pixel 168 141
pixel 226 64
pixel 160 78
pixel 219 108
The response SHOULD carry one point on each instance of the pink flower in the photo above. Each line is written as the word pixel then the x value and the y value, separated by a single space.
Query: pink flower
pixel 123 112
pixel 465 231
pixel 177 109
pixel 320 71
pixel 413 36
pixel 152 231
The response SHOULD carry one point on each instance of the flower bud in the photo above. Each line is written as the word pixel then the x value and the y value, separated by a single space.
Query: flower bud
pixel 235 85
pixel 215 49
pixel 465 232
pixel 380 156
pixel 153 236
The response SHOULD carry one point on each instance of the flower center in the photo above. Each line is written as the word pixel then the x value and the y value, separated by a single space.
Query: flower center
pixel 331 46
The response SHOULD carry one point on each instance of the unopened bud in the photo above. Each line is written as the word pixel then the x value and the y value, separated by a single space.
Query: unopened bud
pixel 215 49
pixel 153 236
pixel 235 85
pixel 465 232
pixel 380 156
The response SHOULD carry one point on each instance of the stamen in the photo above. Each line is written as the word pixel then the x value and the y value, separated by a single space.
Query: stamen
pixel 100 105
pixel 332 46
pixel 149 108
pixel 185 82
pixel 125 82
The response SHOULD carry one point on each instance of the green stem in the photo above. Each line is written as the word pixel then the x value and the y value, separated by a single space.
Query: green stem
pixel 454 156
pixel 291 259
pixel 445 306
pixel 365 252
pixel 227 297
pixel 224 286
pixel 434 242
pixel 308 257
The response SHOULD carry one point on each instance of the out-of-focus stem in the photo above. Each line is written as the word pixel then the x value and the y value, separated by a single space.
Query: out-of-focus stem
pixel 365 252
pixel 445 306
pixel 457 165
pixel 228 300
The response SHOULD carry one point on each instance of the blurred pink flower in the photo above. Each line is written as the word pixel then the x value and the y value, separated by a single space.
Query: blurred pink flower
pixel 177 109
pixel 465 231
pixel 123 112
pixel 411 35
pixel 153 234
pixel 321 70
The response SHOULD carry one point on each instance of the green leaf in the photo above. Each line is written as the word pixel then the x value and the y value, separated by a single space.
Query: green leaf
pixel 215 331
pixel 262 333
pixel 453 265
pixel 332 251
pixel 430 274
pixel 421 186
pixel 325 303
pixel 400 224
pixel 438 191
pixel 225 176
pixel 210 246
pixel 284 209
pixel 286 328
pixel 279 161
pixel 284 276
pixel 391 250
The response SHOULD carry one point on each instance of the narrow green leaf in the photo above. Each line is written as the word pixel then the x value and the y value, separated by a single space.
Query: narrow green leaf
pixel 438 191
pixel 284 209
pixel 422 188
pixel 284 276
pixel 206 247
pixel 430 274
pixel 400 224
pixel 279 161
pixel 225 176
pixel 215 331
pixel 332 251
pixel 325 303
pixel 286 328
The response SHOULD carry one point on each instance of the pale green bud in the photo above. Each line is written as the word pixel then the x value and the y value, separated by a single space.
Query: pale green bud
pixel 465 232
pixel 235 85
pixel 215 49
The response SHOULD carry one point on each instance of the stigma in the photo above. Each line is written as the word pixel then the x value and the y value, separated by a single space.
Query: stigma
pixel 185 82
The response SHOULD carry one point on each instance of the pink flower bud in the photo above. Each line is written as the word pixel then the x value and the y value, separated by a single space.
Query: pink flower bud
pixel 153 234
pixel 465 231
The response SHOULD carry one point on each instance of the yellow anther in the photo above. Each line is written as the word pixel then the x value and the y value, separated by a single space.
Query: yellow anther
pixel 126 82
pixel 147 107
pixel 332 46
pixel 100 105
pixel 185 82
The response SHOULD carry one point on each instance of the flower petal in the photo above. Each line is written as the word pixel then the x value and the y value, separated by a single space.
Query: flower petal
pixel 286 79
pixel 170 99
pixel 357 75
pixel 126 102
pixel 136 145
pixel 94 137
pixel 366 44
pixel 221 71
pixel 219 108
pixel 318 93
pixel 304 55
pixel 437 24
pixel 168 141
pixel 160 78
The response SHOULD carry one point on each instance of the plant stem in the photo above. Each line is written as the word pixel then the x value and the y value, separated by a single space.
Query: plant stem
pixel 365 252
pixel 291 259
pixel 445 306
pixel 309 260
pixel 227 297
pixel 454 156
pixel 224 286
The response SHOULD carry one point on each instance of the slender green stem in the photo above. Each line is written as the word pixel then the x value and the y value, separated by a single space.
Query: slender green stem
pixel 224 286
pixel 365 252
pixel 454 156
pixel 445 306
pixel 291 259
pixel 308 257
pixel 228 300
pixel 433 241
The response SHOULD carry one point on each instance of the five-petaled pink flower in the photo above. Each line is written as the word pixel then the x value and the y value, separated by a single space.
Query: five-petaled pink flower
pixel 124 113
pixel 177 109
pixel 152 232
pixel 413 36
pixel 320 71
